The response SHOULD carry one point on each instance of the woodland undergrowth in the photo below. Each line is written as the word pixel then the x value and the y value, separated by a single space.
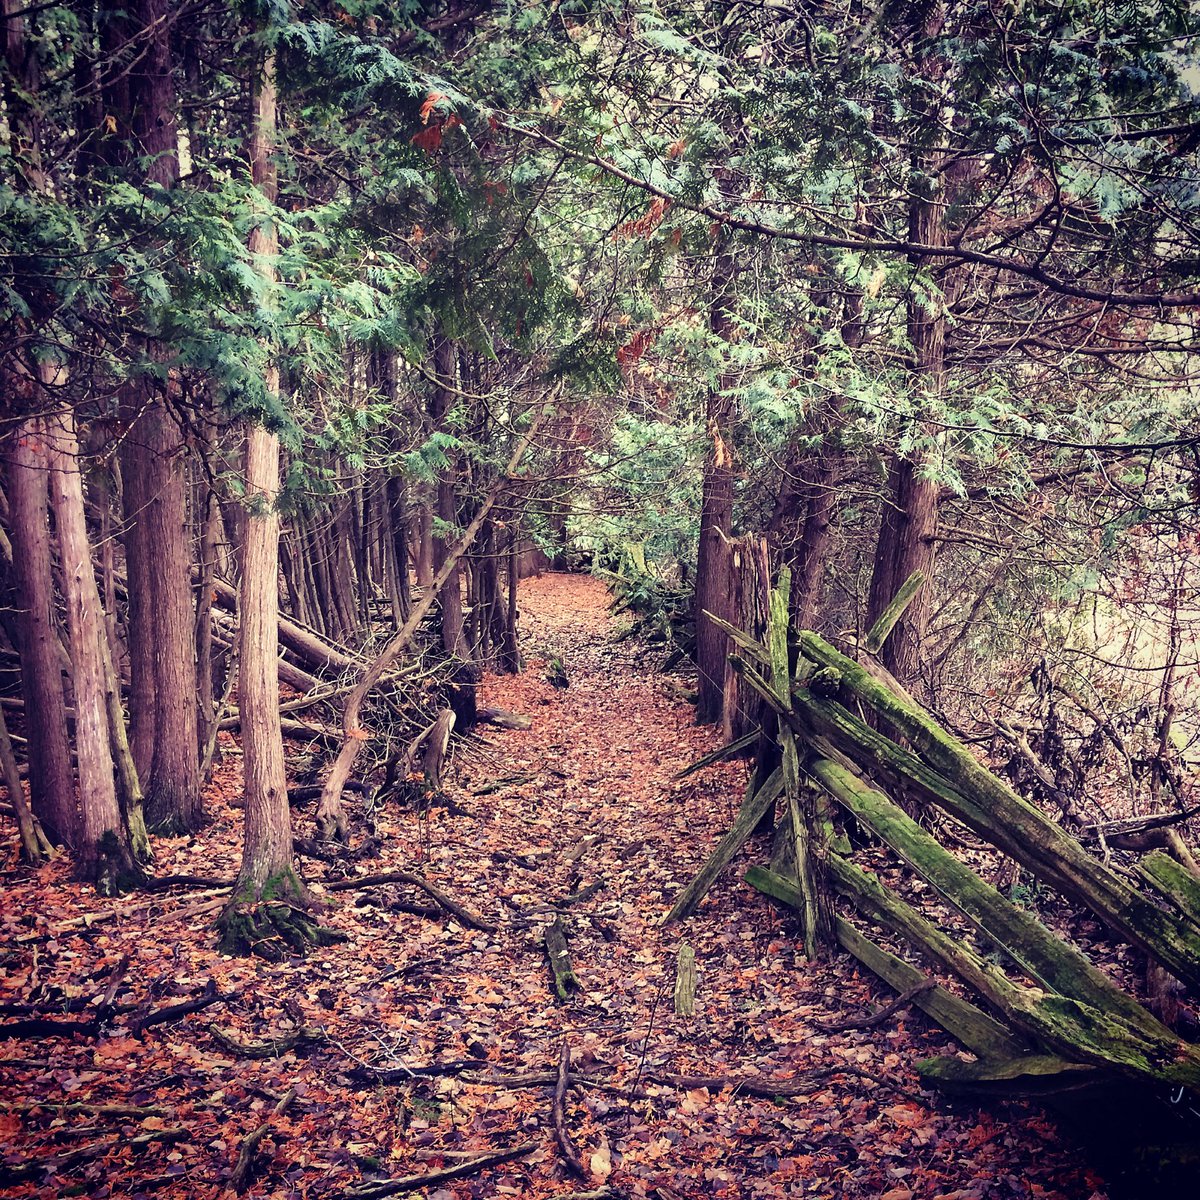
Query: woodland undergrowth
pixel 137 1061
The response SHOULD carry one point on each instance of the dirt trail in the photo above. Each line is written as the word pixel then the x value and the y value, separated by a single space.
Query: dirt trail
pixel 586 794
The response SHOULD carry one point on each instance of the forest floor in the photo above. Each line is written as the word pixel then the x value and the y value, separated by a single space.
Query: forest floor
pixel 431 1042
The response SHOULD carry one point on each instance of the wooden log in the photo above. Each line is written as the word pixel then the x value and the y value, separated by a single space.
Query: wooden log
pixel 1172 880
pixel 1029 1076
pixel 886 621
pixel 503 719
pixel 975 1029
pixel 1040 844
pixel 811 835
pixel 315 652
pixel 565 979
pixel 753 807
pixel 1078 1031
pixel 1052 962
pixel 685 982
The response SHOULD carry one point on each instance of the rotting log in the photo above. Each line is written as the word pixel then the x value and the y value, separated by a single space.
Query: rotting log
pixel 1046 849
pixel 559 954
pixel 1049 960
pixel 503 719
pixel 753 807
pixel 1078 1031
pixel 975 1029
pixel 886 621
pixel 1172 880
pixel 1012 1078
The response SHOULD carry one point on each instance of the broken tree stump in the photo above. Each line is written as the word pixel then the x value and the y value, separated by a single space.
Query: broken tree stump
pixel 685 982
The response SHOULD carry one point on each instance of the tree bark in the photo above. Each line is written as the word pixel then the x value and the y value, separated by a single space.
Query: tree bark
pixel 716 519
pixel 51 780
pixel 35 846
pixel 909 520
pixel 267 854
pixel 162 617
pixel 450 594
pixel 103 853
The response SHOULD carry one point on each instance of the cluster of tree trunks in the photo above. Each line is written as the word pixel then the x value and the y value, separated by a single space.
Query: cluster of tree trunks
pixel 1050 1019
pixel 140 590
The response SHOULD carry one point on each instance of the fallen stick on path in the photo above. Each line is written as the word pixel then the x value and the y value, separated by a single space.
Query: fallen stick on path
pixel 240 1179
pixel 559 1115
pixel 412 1183
pixel 465 915
pixel 878 1018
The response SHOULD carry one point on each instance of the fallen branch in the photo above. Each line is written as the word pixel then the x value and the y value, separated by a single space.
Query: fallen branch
pixel 79 1106
pixel 878 1018
pixel 412 1183
pixel 767 1089
pixel 240 1179
pixel 61 1163
pixel 305 1035
pixel 39 1027
pixel 465 915
pixel 558 1114
pixel 87 920
pixel 173 1012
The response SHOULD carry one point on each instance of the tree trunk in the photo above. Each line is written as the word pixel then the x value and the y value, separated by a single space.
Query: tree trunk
pixel 450 595
pixel 139 620
pixel 35 846
pixel 173 796
pixel 103 852
pixel 716 520
pixel 252 923
pixel 423 556
pixel 908 524
pixel 51 781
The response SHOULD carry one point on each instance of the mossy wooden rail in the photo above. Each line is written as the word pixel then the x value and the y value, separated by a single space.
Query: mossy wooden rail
pixel 1056 1022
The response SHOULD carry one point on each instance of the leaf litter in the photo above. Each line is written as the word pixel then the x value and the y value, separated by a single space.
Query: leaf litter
pixel 421 1044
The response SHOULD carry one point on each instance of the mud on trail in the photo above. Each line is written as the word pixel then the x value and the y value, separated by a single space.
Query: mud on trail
pixel 421 1041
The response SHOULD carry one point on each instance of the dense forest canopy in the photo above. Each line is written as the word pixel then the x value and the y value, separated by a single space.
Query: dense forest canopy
pixel 325 325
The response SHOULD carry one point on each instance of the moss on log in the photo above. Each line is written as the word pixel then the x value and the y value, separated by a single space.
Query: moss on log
pixel 978 1032
pixel 1030 1075
pixel 1076 1030
pixel 1045 848
pixel 1048 959
pixel 1172 880
pixel 559 954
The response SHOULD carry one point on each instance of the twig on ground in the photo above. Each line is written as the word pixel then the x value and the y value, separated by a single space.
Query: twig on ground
pixel 559 1116
pixel 412 1183
pixel 240 1179
pixel 465 915
pixel 878 1018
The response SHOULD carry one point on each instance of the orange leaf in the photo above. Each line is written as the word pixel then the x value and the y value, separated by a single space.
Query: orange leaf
pixel 429 105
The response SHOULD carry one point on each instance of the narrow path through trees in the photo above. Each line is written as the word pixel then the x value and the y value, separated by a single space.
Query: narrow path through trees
pixel 426 1042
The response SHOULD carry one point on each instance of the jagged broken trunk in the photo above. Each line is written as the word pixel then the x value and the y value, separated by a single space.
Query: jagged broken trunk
pixel 1048 1020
